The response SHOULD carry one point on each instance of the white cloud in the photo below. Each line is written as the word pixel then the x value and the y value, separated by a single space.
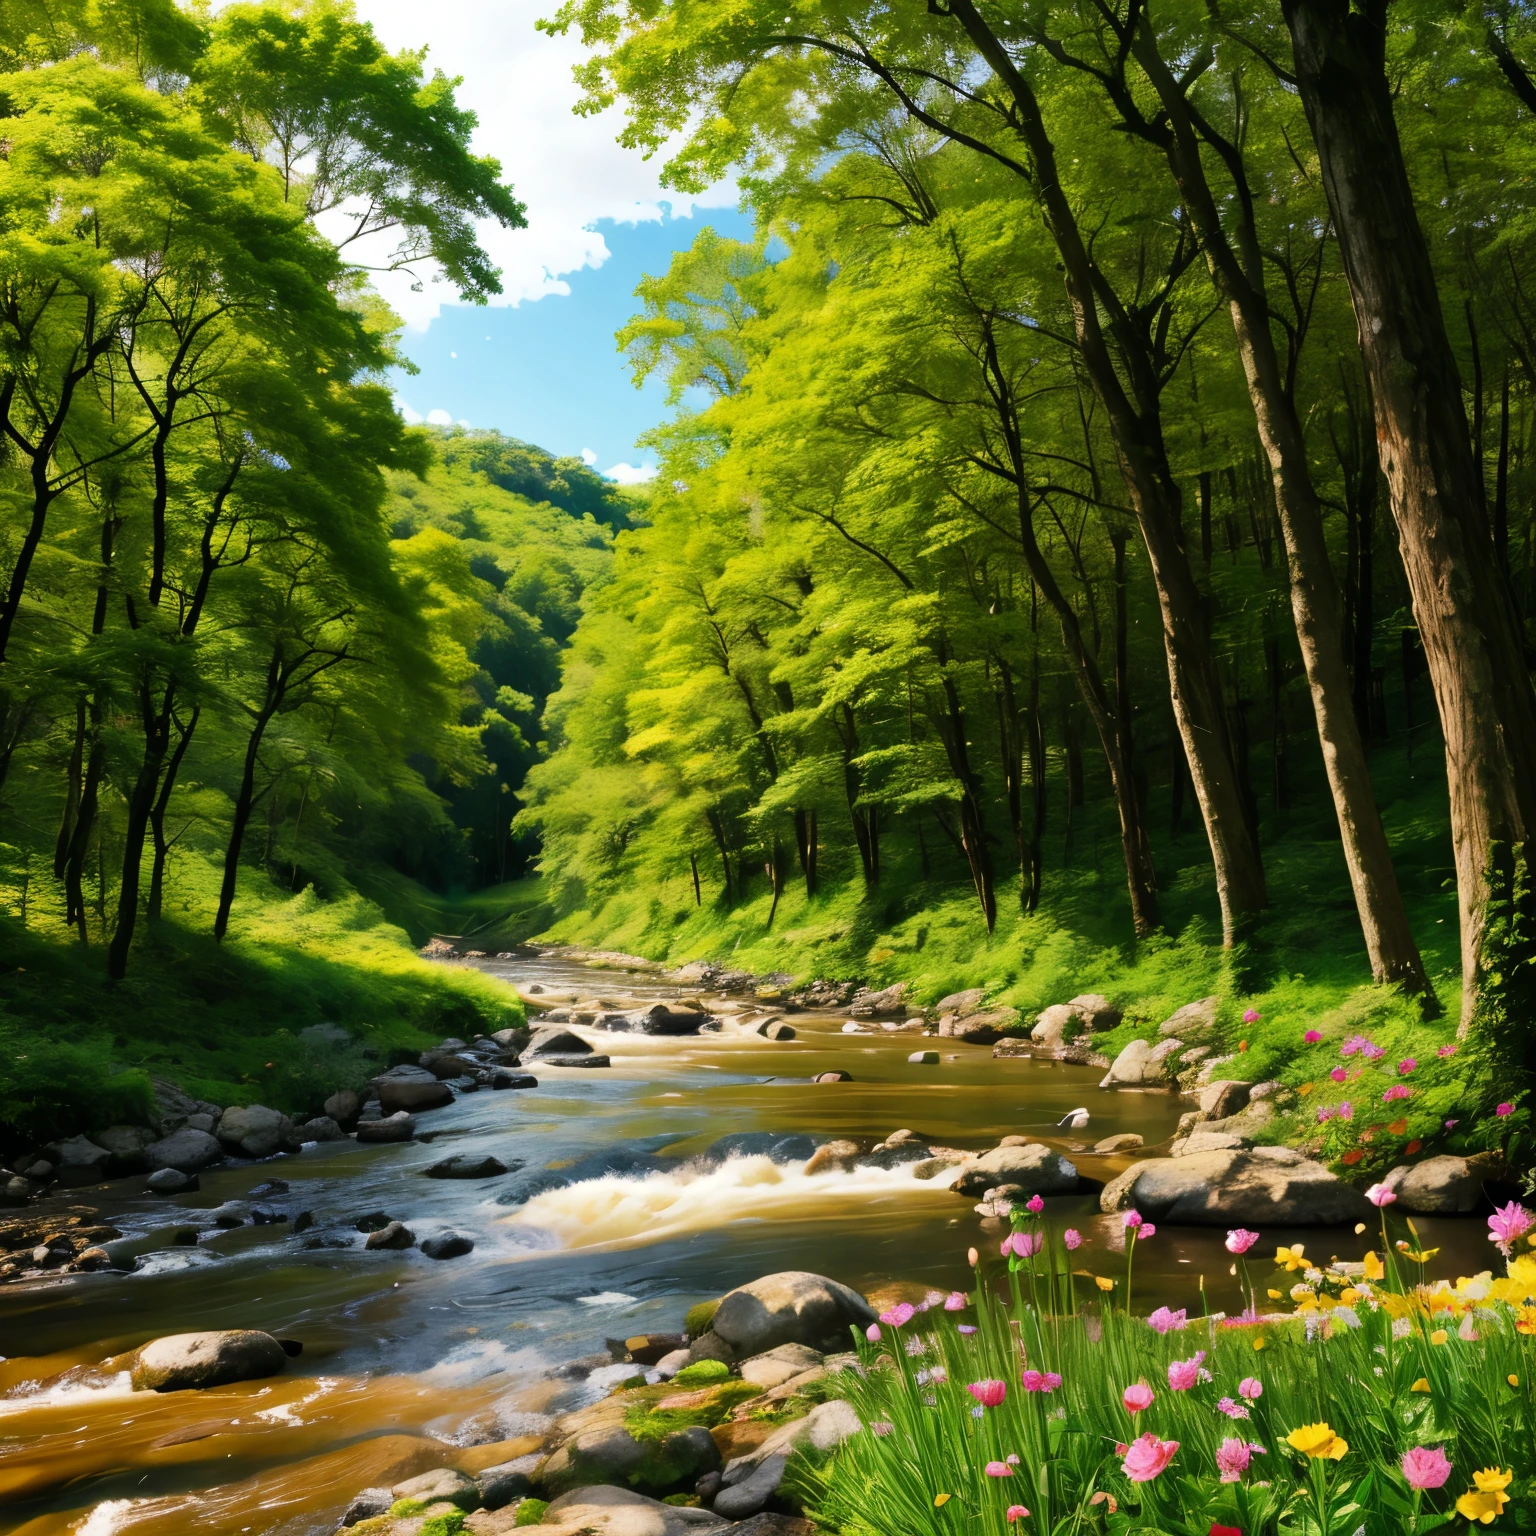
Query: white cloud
pixel 631 474
pixel 440 418
pixel 412 418
pixel 588 457
pixel 568 169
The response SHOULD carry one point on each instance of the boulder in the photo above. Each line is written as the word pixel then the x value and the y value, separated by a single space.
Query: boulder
pixel 394 1236
pixel 1274 1185
pixel 171 1181
pixel 559 1042
pixel 981 1028
pixel 442 1484
pixel 561 1059
pixel 1013 1046
pixel 447 1245
pixel 1199 1141
pixel 940 1163
pixel 410 1088
pixel 924 1058
pixel 750 1495
pixel 776 1029
pixel 602 1511
pixel 513 1039
pixel 127 1144
pixel 869 1005
pixel 834 1157
pixel 779 1365
pixel 367 1505
pixel 1126 1141
pixel 1034 1166
pixel 833 1077
pixel 1096 1011
pixel 183 1360
pixel 822 1430
pixel 445 1066
pixel 186 1150
pixel 506 1481
pixel 77 1161
pixel 400 1126
pixel 1192 1020
pixel 321 1128
pixel 229 1215
pixel 1056 1025
pixel 1224 1097
pixel 253 1130
pixel 463 1166
pixel 791 1307
pixel 968 1001
pixel 1439 1186
pixel 502 1077
pixel 665 1019
pixel 1141 1065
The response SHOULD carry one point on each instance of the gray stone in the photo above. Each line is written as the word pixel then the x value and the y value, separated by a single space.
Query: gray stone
pixel 253 1130
pixel 229 1215
pixel 1034 1166
pixel 1199 1141
pixel 792 1307
pixel 750 1495
pixel 834 1157
pixel 171 1181
pixel 561 1059
pixel 560 1042
pixel 1127 1141
pixel 183 1360
pixel 463 1166
pixel 664 1019
pixel 343 1107
pixel 779 1365
pixel 186 1150
pixel 1141 1065
pixel 1267 1090
pixel 501 1077
pixel 822 1430
pixel 447 1245
pixel 509 1480
pixel 400 1126
pixel 410 1088
pixel 1224 1097
pixel 939 1163
pixel 443 1483
pixel 981 1028
pixel 868 1005
pixel 1276 1185
pixel 1096 1011
pixel 608 1511
pixel 1192 1020
pixel 924 1058
pixel 367 1505
pixel 79 1152
pixel 395 1236
pixel 968 1001
pixel 833 1077
pixel 127 1144
pixel 1439 1186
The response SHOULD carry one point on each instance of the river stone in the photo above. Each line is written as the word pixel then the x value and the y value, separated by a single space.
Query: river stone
pixel 823 1429
pixel 602 1511
pixel 1276 1185
pixel 76 1159
pixel 447 1245
pixel 776 1029
pixel 411 1088
pixel 1141 1065
pixel 561 1059
pixel 463 1166
pixel 343 1107
pixel 1199 1141
pixel 321 1128
pixel 968 1001
pixel 979 1028
pixel 400 1126
pixel 834 1157
pixel 664 1019
pixel 771 1523
pixel 171 1181
pixel 1439 1186
pixel 939 1163
pixel 443 1483
pixel 184 1360
pixel 367 1505
pixel 501 1077
pixel 923 1059
pixel 186 1150
pixel 229 1215
pixel 561 1042
pixel 780 1365
pixel 792 1307
pixel 868 1005
pixel 750 1496
pixel 1127 1141
pixel 1224 1097
pixel 508 1480
pixel 395 1236
pixel 1192 1020
pixel 253 1130
pixel 833 1077
pixel 1034 1166
pixel 127 1144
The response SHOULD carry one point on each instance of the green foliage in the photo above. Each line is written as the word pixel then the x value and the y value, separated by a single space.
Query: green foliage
pixel 698 1319
pixel 535 475
pixel 702 1372
pixel 531 1511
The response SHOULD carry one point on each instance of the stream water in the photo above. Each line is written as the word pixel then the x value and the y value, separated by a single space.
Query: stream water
pixel 405 1359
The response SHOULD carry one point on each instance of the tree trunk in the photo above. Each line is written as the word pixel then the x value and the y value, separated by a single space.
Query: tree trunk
pixel 1037 786
pixel 1011 752
pixel 973 829
pixel 865 829
pixel 1465 614
pixel 245 799
pixel 85 821
pixel 717 830
pixel 141 802
pixel 157 818
pixel 805 848
pixel 693 869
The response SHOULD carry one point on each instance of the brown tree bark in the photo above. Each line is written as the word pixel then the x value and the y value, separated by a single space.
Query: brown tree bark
pixel 1464 610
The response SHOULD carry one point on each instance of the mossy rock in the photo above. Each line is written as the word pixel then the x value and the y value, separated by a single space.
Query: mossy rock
pixel 702 1372
pixel 531 1512
pixel 696 1323
pixel 682 1500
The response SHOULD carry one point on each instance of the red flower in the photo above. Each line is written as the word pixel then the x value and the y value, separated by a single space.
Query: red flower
pixel 1225 1530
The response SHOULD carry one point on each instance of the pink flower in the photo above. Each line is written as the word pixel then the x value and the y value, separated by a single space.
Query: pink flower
pixel 1425 1466
pixel 1183 1374
pixel 1446 1050
pixel 1251 1388
pixel 1024 1244
pixel 1231 1409
pixel 1451 1125
pixel 1372 1052
pixel 1017 1512
pixel 1351 1047
pixel 1406 1065
pixel 972 1257
pixel 1508 1225
pixel 1232 1458
pixel 1312 1036
pixel 1072 1238
pixel 1240 1240
pixel 1397 1091
pixel 1148 1458
pixel 1137 1397
pixel 966 1328
pixel 882 1428
pixel 1345 1111
pixel 899 1315
pixel 998 1469
pixel 1132 1220
pixel 1379 1195
pixel 872 1333
pixel 1040 1381
pixel 1324 1114
pixel 1339 1074
pixel 988 1393
pixel 1144 1231
pixel 955 1302
pixel 1504 1109
pixel 1034 1205
pixel 1251 1016
pixel 1164 1321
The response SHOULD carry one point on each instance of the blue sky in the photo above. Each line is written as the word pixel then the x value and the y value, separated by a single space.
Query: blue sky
pixel 547 369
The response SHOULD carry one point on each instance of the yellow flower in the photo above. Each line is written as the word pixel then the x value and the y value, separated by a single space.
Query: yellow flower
pixel 1374 1268
pixel 1292 1258
pixel 1300 1292
pixel 1492 1480
pixel 1439 1336
pixel 1317 1441
pixel 1103 1283
pixel 941 1499
pixel 1421 1385
pixel 1349 1296
pixel 1487 1502
pixel 1259 1343
pixel 1525 1319
pixel 1514 1381
pixel 1275 1295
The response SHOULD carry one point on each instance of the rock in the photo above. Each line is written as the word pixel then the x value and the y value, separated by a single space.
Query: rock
pixel 604 1511
pixel 648 1348
pixel 834 1157
pixel 1013 1046
pixel 1127 1141
pixel 171 1181
pixel 1437 1186
pixel 127 1144
pixel 91 1259
pixel 184 1360
pixel 1266 1090
pixel 444 1245
pixel 1192 1020
pixel 447 1065
pixel 229 1215
pixel 186 1150
pixel 749 1496
pixel 17 1191
pixel 939 1163
pixel 463 1166
pixel 410 1088
pixel 924 1058
pixel 253 1130
pixel 780 1365
pixel 833 1077
pixel 968 1001
pixel 560 1059
pixel 791 1148
pixel 776 1029
pixel 400 1126
pixel 394 1236
pixel 822 1430
pixel 1224 1097
pixel 367 1505
pixel 1056 1025
pixel 1096 1011
pixel 561 1042
pixel 1034 1166
pixel 869 1005
pixel 771 1524
pixel 663 1019
pixel 1141 1065
pixel 77 1161
pixel 669 1365
pixel 979 1028
pixel 321 1128
pixel 1276 1185
pixel 343 1107
pixel 888 1156
pixel 501 1077
pixel 792 1307
pixel 303 1222
pixel 1208 1141
pixel 445 1484
pixel 509 1480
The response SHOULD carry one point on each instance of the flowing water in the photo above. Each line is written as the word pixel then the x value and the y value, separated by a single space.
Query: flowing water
pixel 407 1361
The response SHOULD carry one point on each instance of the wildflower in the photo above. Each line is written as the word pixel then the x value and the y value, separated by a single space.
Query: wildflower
pixel 1439 1336
pixel 1132 1220
pixel 1040 1381
pixel 1012 1458
pixel 1451 1125
pixel 955 1302
pixel 1413 1146
pixel 1024 1244
pixel 1072 1238
pixel 998 1469
pixel 1379 1195
pixel 1232 1458
pixel 933 1299
pixel 1346 1111
pixel 1138 1397
pixel 1108 1499
pixel 1502 1110
pixel 988 1393
pixel 1514 1381
pixel 1374 1269
pixel 1406 1066
pixel 882 1428
pixel 1184 1374
pixel 1446 1050
pixel 1144 1231
pixel 1251 1388
pixel 1017 1512
pixel 1421 1385
pixel 1399 1127
pixel 1231 1409
pixel 1339 1075
pixel 1508 1225
pixel 899 1315
pixel 972 1257
pixel 1034 1205
pixel 1224 1530
pixel 1148 1458
pixel 1164 1321
pixel 1486 1502
pixel 966 1328
pixel 1525 1320
pixel 1353 1045
pixel 1324 1114
pixel 1312 1036
pixel 1103 1282
pixel 1397 1091
pixel 1240 1240
pixel 915 1345
pixel 1372 1052
pixel 1292 1258
pixel 1317 1441
pixel 941 1499
pixel 872 1333
pixel 1251 1016
pixel 938 1373
pixel 1353 1156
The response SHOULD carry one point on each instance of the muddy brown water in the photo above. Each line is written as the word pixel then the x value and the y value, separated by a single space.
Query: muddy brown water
pixel 408 1363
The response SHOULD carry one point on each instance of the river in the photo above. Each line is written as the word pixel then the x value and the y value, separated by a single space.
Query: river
pixel 406 1359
